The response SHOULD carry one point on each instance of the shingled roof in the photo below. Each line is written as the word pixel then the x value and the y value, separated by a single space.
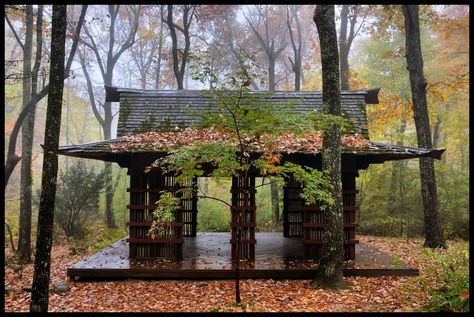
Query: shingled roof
pixel 163 110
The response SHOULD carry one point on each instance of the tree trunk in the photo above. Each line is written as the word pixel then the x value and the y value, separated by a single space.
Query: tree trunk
pixel 160 49
pixel 40 288
pixel 24 233
pixel 329 273
pixel 344 49
pixel 297 74
pixel 296 48
pixel 174 47
pixel 275 200
pixel 433 233
pixel 271 73
pixel 437 132
pixel 109 188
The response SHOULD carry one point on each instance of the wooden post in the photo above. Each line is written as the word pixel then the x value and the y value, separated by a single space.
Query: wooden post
pixel 190 214
pixel 144 192
pixel 313 222
pixel 349 206
pixel 243 203
pixel 292 209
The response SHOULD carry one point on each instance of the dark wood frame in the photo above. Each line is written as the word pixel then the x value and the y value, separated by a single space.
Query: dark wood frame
pixel 298 220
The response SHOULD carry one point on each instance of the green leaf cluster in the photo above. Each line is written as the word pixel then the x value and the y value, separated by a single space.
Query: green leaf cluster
pixel 163 215
pixel 316 184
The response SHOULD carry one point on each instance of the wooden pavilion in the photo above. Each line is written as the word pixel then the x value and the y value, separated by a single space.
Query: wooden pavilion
pixel 167 114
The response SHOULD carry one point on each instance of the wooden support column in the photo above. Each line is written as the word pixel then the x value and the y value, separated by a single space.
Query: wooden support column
pixel 313 224
pixel 243 216
pixel 313 229
pixel 292 209
pixel 145 191
pixel 190 214
pixel 349 206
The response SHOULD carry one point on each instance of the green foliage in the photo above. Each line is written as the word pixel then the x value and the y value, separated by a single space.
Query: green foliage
pixel 107 236
pixel 323 121
pixel 77 199
pixel 163 215
pixel 189 162
pixel 452 275
pixel 243 114
pixel 316 185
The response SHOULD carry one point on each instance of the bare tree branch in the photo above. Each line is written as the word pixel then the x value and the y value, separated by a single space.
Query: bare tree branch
pixel 15 33
pixel 13 159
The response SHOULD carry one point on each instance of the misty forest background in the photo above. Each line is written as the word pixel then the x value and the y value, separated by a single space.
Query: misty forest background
pixel 275 44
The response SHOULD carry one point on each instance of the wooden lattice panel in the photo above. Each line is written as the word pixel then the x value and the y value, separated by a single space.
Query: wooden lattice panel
pixel 145 191
pixel 349 205
pixel 292 209
pixel 313 222
pixel 189 211
pixel 243 204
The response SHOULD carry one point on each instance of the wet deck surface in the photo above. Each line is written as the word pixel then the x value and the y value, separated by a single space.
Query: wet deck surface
pixel 208 256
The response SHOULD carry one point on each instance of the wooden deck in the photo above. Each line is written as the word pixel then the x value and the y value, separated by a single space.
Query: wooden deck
pixel 208 256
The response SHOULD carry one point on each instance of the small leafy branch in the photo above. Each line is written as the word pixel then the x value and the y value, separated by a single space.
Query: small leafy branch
pixel 251 121
pixel 163 216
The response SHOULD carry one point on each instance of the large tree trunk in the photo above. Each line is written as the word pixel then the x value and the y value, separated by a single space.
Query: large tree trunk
pixel 40 288
pixel 433 233
pixel 332 254
pixel 24 234
pixel 271 73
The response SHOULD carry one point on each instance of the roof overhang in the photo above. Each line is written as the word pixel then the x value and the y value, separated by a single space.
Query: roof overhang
pixel 372 153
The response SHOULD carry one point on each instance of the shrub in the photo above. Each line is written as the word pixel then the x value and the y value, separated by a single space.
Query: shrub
pixel 77 199
pixel 451 270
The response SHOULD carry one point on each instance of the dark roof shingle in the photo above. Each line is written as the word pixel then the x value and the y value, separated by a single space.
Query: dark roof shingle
pixel 163 110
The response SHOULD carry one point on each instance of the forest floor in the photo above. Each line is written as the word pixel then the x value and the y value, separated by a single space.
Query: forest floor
pixel 380 294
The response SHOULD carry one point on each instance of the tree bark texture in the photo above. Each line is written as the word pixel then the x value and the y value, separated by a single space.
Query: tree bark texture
pixel 41 275
pixel 332 254
pixel 24 233
pixel 433 233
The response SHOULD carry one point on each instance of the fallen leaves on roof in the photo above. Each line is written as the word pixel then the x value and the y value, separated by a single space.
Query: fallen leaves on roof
pixel 289 143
